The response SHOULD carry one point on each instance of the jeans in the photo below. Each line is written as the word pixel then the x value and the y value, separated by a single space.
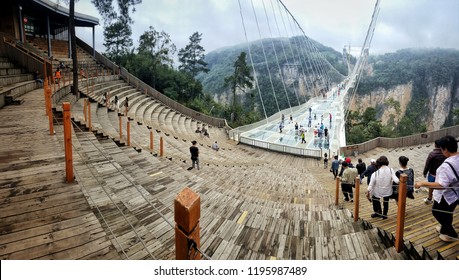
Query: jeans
pixel 445 216
pixel 195 162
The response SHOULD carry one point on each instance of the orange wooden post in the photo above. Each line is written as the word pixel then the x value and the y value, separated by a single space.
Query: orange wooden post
pixel 50 111
pixel 357 199
pixel 161 146
pixel 151 140
pixel 44 94
pixel 85 113
pixel 401 213
pixel 337 191
pixel 68 143
pixel 121 127
pixel 89 116
pixel 128 132
pixel 187 212
pixel 93 79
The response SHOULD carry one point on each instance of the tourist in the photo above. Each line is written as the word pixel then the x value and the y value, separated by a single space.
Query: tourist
pixel 335 166
pixel 433 161
pixel 215 146
pixel 325 161
pixel 126 106
pixel 370 170
pixel 445 189
pixel 194 151
pixel 361 167
pixel 348 181
pixel 403 161
pixel 380 187
pixel 36 77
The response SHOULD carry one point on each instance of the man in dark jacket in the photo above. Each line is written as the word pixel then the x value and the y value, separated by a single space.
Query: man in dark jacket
pixel 361 167
pixel 370 170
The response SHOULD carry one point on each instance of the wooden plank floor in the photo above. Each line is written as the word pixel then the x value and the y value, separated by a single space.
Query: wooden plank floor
pixel 41 216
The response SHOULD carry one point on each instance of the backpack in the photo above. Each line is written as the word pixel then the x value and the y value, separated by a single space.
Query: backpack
pixel 409 181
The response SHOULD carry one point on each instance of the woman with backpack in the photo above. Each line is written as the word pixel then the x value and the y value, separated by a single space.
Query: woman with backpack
pixel 404 169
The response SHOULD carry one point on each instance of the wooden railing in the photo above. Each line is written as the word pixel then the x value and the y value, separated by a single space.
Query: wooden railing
pixel 20 54
pixel 392 143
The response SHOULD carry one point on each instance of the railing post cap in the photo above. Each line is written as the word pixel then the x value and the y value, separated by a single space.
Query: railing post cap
pixel 187 209
pixel 66 106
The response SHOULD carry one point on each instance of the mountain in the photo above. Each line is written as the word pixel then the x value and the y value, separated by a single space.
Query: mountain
pixel 297 65
pixel 423 82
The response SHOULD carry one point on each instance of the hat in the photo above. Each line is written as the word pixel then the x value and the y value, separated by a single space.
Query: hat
pixel 348 160
pixel 372 160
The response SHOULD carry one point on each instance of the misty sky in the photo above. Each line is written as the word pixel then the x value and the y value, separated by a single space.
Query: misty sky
pixel 334 23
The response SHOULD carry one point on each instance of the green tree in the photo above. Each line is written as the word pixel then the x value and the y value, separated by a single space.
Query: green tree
pixel 117 40
pixel 158 45
pixel 240 80
pixel 108 12
pixel 192 57
pixel 155 53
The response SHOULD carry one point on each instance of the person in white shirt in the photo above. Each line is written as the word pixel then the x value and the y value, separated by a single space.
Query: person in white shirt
pixel 445 189
pixel 381 187
pixel 215 146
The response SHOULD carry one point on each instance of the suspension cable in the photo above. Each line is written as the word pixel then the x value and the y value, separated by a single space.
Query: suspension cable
pixel 251 60
pixel 264 54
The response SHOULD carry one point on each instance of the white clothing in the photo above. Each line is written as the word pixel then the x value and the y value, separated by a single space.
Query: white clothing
pixel 447 179
pixel 381 182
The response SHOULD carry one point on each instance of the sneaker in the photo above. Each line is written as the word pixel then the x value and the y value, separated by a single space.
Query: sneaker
pixel 446 238
pixel 428 201
pixel 375 215
pixel 352 200
pixel 438 228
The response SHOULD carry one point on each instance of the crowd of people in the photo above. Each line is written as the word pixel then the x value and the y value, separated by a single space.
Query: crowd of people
pixel 441 170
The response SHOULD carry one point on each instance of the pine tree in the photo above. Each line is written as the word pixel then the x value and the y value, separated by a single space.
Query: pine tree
pixel 192 57
pixel 241 79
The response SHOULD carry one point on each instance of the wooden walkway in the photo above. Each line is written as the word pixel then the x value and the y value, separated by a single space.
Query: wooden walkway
pixel 279 207
pixel 41 216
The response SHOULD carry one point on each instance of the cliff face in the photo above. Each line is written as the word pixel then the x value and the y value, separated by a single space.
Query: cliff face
pixel 441 101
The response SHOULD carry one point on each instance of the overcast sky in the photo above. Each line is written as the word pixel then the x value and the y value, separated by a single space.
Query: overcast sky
pixel 334 23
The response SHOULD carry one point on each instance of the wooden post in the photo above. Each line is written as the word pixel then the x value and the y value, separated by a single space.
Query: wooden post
pixel 45 87
pixel 151 140
pixel 161 146
pixel 121 127
pixel 337 191
pixel 85 110
pixel 402 189
pixel 68 143
pixel 187 212
pixel 93 80
pixel 50 111
pixel 357 199
pixel 89 116
pixel 128 132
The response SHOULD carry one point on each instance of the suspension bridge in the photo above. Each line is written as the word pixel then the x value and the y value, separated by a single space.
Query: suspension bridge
pixel 321 117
